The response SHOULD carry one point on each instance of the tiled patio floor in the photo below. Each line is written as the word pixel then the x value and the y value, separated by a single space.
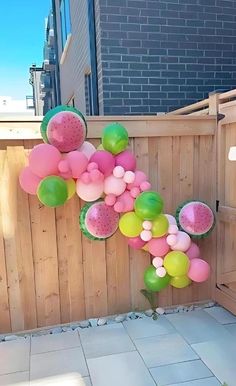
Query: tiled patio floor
pixel 197 348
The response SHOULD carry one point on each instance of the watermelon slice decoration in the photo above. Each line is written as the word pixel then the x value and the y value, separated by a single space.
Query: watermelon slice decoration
pixel 98 221
pixel 195 218
pixel 65 128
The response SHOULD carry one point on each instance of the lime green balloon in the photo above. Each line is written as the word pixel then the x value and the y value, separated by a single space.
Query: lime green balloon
pixel 153 282
pixel 148 205
pixel 180 281
pixel 52 191
pixel 160 226
pixel 51 113
pixel 115 138
pixel 130 225
pixel 176 263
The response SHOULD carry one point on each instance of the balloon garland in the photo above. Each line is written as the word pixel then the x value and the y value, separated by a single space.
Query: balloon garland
pixel 117 195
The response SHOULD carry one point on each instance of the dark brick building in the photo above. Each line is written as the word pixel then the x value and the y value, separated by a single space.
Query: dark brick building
pixel 150 56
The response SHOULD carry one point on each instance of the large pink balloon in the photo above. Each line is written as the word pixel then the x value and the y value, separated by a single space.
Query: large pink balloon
pixel 28 181
pixel 126 159
pixel 104 160
pixel 136 242
pixel 193 252
pixel 124 203
pixel 158 246
pixel 199 270
pixel 44 160
pixel 89 192
pixel 78 163
pixel 88 149
pixel 113 185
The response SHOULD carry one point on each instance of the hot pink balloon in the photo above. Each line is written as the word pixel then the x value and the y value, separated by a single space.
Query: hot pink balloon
pixel 44 160
pixel 28 181
pixel 104 160
pixel 193 252
pixel 136 242
pixel 113 185
pixel 87 149
pixel 199 270
pixel 89 192
pixel 126 159
pixel 179 241
pixel 158 246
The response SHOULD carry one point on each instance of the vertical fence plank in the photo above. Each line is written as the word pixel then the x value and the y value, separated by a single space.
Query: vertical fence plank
pixel 45 263
pixel 5 321
pixel 70 261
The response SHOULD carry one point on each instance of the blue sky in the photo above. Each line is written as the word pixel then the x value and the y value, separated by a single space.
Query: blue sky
pixel 21 43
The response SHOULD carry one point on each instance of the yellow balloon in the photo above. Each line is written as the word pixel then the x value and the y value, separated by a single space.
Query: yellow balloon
pixel 130 225
pixel 180 281
pixel 100 147
pixel 160 226
pixel 176 263
pixel 70 188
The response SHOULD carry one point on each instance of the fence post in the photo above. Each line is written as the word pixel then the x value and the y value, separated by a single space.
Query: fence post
pixel 214 103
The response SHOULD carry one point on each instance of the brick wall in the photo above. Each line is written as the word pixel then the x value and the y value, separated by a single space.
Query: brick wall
pixel 160 55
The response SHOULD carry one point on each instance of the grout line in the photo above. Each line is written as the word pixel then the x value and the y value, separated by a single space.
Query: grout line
pixel 60 349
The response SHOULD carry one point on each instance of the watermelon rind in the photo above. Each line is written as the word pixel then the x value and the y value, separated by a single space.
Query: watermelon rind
pixel 192 235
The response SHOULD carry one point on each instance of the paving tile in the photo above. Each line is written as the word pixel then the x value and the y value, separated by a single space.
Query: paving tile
pixel 220 357
pixel 143 328
pixel 164 350
pixel 105 340
pixel 221 315
pixel 180 372
pixel 197 326
pixel 231 328
pixel 54 342
pixel 21 379
pixel 200 382
pixel 71 379
pixel 126 369
pixel 56 363
pixel 14 356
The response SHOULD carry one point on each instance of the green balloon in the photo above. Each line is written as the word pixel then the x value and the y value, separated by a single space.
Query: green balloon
pixel 52 191
pixel 153 282
pixel 115 138
pixel 51 113
pixel 148 205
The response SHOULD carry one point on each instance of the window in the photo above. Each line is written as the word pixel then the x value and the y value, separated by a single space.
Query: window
pixel 65 21
pixel 88 94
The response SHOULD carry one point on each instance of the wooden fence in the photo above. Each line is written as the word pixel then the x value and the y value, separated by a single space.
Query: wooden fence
pixel 49 272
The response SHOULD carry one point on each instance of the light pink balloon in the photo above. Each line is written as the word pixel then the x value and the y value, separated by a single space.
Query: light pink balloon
pixel 89 192
pixel 88 149
pixel 158 246
pixel 179 241
pixel 78 163
pixel 199 270
pixel 110 200
pixel 126 159
pixel 136 242
pixel 124 203
pixel 146 235
pixel 28 181
pixel 104 160
pixel 114 185
pixel 129 177
pixel 44 160
pixel 171 219
pixel 193 252
pixel 157 262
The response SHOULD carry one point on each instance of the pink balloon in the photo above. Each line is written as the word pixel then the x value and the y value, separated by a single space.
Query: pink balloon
pixel 171 219
pixel 73 165
pixel 114 185
pixel 179 241
pixel 193 252
pixel 199 270
pixel 87 149
pixel 158 246
pixel 110 200
pixel 44 160
pixel 124 203
pixel 89 192
pixel 136 242
pixel 28 181
pixel 139 178
pixel 126 159
pixel 104 160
